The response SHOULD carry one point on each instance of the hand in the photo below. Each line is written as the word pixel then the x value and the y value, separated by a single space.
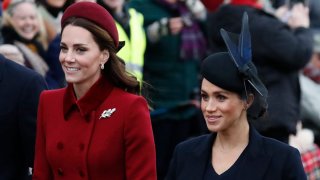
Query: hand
pixel 175 25
pixel 197 8
pixel 164 27
pixel 315 60
pixel 299 16
pixel 283 13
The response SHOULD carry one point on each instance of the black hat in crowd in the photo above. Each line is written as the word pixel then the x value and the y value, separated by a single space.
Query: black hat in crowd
pixel 234 70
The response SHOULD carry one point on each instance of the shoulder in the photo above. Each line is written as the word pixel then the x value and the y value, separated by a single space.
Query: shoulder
pixel 257 16
pixel 18 70
pixel 195 143
pixel 276 145
pixel 193 149
pixel 15 75
pixel 270 147
pixel 53 94
pixel 129 98
pixel 285 158
pixel 280 150
pixel 133 11
pixel 135 14
pixel 51 100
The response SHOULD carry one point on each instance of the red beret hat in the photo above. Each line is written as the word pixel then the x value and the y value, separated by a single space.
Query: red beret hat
pixel 95 13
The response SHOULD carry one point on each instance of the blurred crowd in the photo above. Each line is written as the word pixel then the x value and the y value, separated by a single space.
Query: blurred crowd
pixel 164 42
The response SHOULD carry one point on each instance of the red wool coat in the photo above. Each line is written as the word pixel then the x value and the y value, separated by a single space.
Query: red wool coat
pixel 75 141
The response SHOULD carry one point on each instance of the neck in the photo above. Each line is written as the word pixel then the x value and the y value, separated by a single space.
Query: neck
pixel 236 137
pixel 80 89
pixel 119 11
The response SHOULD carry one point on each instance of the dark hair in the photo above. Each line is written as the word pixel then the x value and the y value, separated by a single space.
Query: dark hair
pixel 114 69
pixel 259 106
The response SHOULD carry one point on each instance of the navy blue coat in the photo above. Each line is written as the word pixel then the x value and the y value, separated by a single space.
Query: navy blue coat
pixel 267 159
pixel 20 88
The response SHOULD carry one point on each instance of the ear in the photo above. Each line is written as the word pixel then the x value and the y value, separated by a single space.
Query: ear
pixel 105 56
pixel 249 101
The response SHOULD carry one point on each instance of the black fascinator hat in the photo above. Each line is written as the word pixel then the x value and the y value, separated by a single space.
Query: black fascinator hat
pixel 234 70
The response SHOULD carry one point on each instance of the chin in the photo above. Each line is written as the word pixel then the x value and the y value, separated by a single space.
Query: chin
pixel 213 129
pixel 28 36
pixel 71 80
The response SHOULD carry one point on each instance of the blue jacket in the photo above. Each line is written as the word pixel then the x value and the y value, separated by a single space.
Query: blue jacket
pixel 267 159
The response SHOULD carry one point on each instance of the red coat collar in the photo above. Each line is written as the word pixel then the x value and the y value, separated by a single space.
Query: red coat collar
pixel 90 101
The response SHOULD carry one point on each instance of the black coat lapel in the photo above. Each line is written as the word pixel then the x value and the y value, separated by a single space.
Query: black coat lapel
pixel 200 158
pixel 200 153
pixel 257 157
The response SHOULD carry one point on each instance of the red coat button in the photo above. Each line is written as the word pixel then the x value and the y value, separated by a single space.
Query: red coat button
pixel 81 146
pixel 81 173
pixel 60 172
pixel 60 145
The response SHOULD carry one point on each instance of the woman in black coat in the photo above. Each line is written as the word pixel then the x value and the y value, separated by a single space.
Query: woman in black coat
pixel 231 94
pixel 280 51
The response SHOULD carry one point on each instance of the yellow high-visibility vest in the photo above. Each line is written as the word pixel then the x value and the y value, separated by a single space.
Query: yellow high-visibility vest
pixel 133 51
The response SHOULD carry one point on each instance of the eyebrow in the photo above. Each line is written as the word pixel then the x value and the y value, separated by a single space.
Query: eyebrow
pixel 74 45
pixel 216 92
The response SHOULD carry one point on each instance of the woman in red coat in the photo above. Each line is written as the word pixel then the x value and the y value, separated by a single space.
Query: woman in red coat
pixel 97 127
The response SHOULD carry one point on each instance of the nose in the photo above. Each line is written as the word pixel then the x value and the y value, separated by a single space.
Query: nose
pixel 69 56
pixel 30 20
pixel 211 106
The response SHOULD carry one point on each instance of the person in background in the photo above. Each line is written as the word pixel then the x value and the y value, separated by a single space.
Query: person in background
pixel 98 127
pixel 314 9
pixel 312 70
pixel 303 140
pixel 281 49
pixel 22 28
pixel 310 87
pixel 55 69
pixel 176 43
pixel 51 12
pixel 20 89
pixel 129 23
pixel 230 101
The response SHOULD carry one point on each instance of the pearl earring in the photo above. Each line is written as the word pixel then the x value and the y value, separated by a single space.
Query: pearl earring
pixel 102 66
